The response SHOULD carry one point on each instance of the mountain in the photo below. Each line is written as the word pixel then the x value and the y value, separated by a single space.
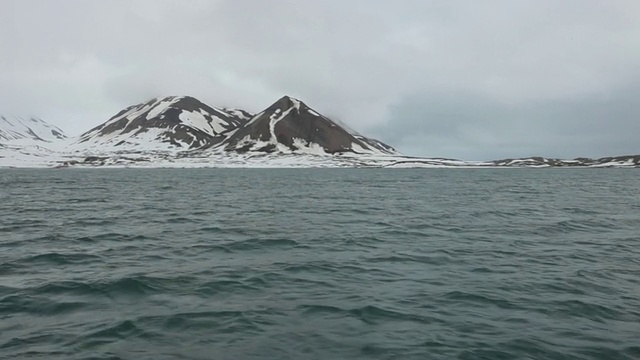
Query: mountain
pixel 175 122
pixel 290 126
pixel 18 128
pixel 185 123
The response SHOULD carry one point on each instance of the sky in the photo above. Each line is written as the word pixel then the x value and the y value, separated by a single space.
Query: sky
pixel 473 80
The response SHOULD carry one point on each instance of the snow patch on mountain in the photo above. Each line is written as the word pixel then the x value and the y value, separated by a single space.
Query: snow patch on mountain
pixel 197 120
pixel 156 109
pixel 307 147
pixel 277 116
pixel 238 113
pixel 151 139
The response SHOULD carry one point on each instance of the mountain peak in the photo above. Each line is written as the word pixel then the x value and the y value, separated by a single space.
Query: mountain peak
pixel 289 98
pixel 287 102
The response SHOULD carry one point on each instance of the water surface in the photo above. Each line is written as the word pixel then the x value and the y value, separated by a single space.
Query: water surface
pixel 320 264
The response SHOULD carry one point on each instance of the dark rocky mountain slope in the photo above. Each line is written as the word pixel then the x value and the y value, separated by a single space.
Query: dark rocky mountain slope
pixel 289 125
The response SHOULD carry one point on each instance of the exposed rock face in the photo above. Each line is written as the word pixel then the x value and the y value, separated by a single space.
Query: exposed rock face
pixel 180 122
pixel 17 128
pixel 289 125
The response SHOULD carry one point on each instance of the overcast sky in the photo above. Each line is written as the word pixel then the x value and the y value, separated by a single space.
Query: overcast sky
pixel 473 80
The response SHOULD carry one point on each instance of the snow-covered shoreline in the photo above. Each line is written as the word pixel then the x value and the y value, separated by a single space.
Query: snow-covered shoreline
pixel 15 155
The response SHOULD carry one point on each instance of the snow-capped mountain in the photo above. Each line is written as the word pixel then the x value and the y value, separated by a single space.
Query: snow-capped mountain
pixel 18 128
pixel 184 123
pixel 290 126
pixel 170 123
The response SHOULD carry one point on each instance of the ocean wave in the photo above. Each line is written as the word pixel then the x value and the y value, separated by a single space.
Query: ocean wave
pixel 38 305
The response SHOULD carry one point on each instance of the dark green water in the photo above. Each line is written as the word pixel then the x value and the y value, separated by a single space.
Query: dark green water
pixel 320 264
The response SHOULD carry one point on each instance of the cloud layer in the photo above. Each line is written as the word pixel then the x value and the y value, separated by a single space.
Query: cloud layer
pixel 465 79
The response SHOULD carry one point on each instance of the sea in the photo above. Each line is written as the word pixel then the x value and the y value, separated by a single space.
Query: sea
pixel 320 263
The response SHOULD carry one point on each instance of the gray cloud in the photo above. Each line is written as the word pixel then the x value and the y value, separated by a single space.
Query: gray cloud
pixel 459 79
pixel 476 127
